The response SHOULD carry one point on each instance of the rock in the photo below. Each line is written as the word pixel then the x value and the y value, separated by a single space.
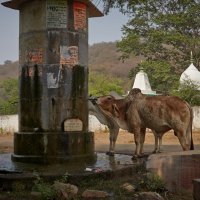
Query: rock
pixel 94 194
pixel 66 191
pixel 128 187
pixel 196 189
pixel 176 169
pixel 149 196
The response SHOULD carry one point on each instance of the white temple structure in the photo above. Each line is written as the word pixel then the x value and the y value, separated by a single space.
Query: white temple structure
pixel 191 74
pixel 142 82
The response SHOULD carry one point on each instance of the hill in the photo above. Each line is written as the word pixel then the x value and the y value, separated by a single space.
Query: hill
pixel 9 70
pixel 103 58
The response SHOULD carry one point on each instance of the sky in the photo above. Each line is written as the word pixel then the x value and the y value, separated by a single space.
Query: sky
pixel 101 29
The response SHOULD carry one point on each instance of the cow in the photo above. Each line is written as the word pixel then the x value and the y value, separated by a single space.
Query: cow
pixel 112 125
pixel 106 120
pixel 137 112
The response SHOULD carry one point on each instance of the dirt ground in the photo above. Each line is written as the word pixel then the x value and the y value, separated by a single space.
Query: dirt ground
pixel 124 144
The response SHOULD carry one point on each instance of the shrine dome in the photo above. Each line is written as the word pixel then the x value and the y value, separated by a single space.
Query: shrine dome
pixel 142 82
pixel 191 74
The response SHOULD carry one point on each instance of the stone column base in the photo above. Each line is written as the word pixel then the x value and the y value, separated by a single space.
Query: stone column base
pixel 52 147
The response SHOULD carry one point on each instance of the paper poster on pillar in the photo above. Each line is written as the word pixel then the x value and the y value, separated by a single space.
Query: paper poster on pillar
pixel 69 55
pixel 52 80
pixel 56 14
pixel 80 22
pixel 54 76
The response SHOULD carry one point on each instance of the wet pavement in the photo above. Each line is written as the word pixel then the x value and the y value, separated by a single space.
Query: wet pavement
pixel 103 167
pixel 102 163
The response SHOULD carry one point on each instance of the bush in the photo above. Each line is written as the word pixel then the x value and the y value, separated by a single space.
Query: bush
pixel 103 84
pixel 46 190
pixel 152 182
pixel 8 97
pixel 189 92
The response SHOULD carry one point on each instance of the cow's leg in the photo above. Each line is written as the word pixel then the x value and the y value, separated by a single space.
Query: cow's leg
pixel 189 134
pixel 137 143
pixel 113 137
pixel 159 143
pixel 156 142
pixel 181 134
pixel 142 138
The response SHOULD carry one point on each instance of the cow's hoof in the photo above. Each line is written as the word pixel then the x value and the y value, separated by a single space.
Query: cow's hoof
pixel 135 157
pixel 110 153
pixel 156 151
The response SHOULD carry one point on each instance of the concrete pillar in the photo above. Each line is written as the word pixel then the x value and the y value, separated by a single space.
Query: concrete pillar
pixel 53 80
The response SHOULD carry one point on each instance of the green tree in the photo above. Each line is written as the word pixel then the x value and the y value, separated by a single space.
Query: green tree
pixel 102 84
pixel 189 92
pixel 9 96
pixel 161 30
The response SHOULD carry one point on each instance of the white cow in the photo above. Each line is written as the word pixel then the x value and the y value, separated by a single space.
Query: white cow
pixel 106 120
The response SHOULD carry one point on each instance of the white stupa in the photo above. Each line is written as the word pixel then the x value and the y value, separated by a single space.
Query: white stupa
pixel 191 74
pixel 142 82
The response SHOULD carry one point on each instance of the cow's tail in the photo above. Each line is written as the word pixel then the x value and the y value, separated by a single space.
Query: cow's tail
pixel 189 131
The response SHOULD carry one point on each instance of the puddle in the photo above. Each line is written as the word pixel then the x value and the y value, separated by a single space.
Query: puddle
pixel 103 163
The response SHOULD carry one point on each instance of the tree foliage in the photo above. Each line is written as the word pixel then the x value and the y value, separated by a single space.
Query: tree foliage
pixel 189 92
pixel 161 30
pixel 160 75
pixel 102 84
pixel 99 84
pixel 9 96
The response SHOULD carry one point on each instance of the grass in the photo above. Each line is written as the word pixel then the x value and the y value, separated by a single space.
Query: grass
pixel 112 187
pixel 140 179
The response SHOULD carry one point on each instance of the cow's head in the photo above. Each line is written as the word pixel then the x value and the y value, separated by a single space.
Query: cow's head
pixel 108 104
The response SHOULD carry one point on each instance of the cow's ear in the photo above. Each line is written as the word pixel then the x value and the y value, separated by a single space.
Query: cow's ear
pixel 115 110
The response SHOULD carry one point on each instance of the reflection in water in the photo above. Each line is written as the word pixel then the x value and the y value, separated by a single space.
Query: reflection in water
pixel 112 162
pixel 102 163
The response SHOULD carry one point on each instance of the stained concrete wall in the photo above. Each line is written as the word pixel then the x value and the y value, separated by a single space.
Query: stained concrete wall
pixel 95 125
pixel 196 120
pixel 10 122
